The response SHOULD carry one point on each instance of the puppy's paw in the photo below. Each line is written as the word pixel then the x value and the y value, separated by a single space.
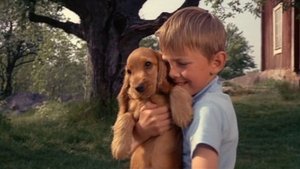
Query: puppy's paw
pixel 122 138
pixel 181 106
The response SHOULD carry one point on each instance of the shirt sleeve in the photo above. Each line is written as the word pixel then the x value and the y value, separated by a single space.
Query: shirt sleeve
pixel 206 127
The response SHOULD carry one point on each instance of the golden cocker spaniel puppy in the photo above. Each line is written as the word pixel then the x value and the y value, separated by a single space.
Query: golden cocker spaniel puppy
pixel 146 80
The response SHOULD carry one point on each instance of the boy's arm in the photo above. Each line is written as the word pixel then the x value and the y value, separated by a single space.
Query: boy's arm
pixel 205 157
pixel 139 136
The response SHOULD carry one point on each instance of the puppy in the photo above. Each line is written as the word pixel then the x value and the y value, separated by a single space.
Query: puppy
pixel 146 80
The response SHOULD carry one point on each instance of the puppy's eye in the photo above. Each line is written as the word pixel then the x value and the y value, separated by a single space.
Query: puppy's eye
pixel 128 71
pixel 148 65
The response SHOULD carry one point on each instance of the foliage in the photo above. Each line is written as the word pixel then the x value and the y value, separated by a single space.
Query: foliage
pixel 48 8
pixel 53 60
pixel 19 42
pixel 150 42
pixel 238 51
pixel 60 71
pixel 288 4
pixel 228 9
pixel 4 124
pixel 287 90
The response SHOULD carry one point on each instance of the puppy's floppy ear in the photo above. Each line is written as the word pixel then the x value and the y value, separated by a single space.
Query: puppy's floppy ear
pixel 162 83
pixel 123 96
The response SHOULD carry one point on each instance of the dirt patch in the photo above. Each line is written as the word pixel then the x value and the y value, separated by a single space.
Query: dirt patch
pixel 252 78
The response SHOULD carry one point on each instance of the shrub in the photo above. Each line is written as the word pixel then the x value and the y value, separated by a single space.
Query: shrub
pixel 4 123
pixel 287 90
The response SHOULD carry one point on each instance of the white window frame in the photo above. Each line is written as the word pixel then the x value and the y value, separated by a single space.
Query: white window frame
pixel 277 29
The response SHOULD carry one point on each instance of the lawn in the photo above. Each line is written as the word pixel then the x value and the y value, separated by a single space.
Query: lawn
pixel 78 135
pixel 59 136
pixel 269 132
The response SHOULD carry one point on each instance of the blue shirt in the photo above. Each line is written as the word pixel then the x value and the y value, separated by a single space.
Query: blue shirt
pixel 214 124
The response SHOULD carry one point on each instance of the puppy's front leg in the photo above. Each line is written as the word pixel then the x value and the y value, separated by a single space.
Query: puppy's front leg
pixel 122 138
pixel 181 106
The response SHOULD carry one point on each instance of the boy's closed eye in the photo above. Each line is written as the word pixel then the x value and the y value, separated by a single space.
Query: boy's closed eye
pixel 182 63
pixel 178 62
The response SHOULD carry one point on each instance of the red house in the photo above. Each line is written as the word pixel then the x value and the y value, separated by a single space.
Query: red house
pixel 280 41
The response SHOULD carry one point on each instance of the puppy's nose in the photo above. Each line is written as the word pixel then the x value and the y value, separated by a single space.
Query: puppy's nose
pixel 140 88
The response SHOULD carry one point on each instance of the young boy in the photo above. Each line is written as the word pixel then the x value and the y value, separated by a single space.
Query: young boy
pixel 193 44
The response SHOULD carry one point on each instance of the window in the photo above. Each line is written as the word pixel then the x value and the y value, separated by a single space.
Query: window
pixel 277 29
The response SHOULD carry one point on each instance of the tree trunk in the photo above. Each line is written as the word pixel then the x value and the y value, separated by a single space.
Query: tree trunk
pixel 8 85
pixel 107 57
pixel 108 48
pixel 102 41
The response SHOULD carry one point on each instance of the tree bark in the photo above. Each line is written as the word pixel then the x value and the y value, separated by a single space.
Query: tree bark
pixel 8 85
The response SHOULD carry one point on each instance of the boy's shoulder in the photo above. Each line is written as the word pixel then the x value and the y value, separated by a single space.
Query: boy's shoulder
pixel 213 97
pixel 217 100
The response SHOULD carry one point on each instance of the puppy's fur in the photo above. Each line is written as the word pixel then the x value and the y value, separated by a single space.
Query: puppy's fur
pixel 146 80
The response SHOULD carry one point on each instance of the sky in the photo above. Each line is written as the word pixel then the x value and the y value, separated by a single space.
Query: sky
pixel 246 22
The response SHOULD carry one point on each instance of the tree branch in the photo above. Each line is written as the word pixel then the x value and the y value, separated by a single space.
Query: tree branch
pixel 133 7
pixel 150 25
pixel 153 25
pixel 2 65
pixel 18 54
pixel 189 3
pixel 68 27
pixel 29 53
pixel 25 62
pixel 140 28
pixel 77 6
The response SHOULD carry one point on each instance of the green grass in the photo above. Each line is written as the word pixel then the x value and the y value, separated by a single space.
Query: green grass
pixel 78 135
pixel 59 136
pixel 269 125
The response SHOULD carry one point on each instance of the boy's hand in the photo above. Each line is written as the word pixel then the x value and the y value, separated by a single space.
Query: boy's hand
pixel 153 121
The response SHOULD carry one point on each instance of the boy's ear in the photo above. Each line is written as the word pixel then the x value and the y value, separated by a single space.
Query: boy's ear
pixel 218 62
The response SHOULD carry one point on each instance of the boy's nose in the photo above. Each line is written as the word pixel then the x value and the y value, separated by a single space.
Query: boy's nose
pixel 174 73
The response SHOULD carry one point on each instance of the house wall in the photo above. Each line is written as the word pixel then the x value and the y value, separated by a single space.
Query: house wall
pixel 297 42
pixel 282 60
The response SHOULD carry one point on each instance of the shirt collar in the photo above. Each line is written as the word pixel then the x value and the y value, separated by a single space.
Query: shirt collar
pixel 214 85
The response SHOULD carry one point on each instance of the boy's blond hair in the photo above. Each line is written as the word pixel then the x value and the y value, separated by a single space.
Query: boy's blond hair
pixel 194 29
